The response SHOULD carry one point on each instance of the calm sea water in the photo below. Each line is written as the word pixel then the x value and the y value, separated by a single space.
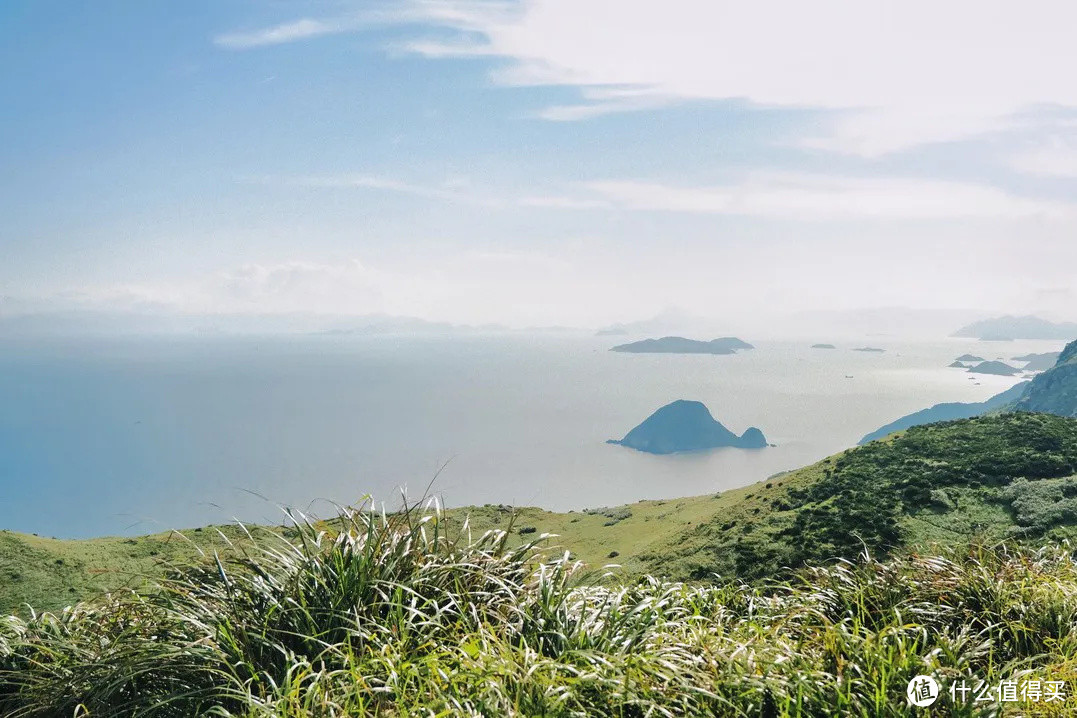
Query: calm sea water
pixel 129 436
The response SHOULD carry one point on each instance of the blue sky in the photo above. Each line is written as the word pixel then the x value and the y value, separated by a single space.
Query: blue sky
pixel 536 162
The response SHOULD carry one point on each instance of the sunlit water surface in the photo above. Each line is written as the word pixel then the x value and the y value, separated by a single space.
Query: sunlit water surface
pixel 137 435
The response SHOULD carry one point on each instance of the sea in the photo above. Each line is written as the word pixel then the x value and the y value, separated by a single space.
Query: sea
pixel 133 435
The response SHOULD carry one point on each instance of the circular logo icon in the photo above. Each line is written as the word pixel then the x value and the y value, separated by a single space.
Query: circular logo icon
pixel 922 691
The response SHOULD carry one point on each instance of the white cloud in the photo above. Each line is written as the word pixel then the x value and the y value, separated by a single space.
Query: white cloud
pixel 908 71
pixel 902 72
pixel 817 197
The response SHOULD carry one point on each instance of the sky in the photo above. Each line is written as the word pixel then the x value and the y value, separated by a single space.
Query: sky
pixel 537 162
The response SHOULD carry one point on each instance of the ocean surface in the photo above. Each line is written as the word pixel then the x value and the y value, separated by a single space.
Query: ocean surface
pixel 124 436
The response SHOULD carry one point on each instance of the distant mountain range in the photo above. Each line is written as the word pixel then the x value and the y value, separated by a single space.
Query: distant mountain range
pixel 91 322
pixel 1009 328
pixel 669 321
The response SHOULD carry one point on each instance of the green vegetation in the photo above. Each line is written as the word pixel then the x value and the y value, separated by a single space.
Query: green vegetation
pixel 935 484
pixel 403 616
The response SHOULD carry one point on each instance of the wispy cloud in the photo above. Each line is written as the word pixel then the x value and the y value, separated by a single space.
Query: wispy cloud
pixel 449 190
pixel 563 202
pixel 782 195
pixel 816 197
pixel 303 29
pixel 464 15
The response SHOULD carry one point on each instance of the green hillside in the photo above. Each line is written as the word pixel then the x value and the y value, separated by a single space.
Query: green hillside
pixel 989 478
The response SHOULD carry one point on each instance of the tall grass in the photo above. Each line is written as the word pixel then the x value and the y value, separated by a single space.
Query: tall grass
pixel 388 615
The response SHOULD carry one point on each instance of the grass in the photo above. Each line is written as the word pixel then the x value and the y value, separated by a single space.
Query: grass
pixel 407 614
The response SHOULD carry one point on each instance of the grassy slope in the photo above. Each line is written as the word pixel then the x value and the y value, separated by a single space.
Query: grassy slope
pixel 49 573
pixel 945 483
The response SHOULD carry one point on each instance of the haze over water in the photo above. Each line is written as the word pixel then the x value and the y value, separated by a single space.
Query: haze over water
pixel 106 436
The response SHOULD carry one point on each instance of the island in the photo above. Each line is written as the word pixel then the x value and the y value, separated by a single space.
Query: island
pixel 680 345
pixel 994 367
pixel 686 426
pixel 958 365
pixel 823 346
pixel 969 357
pixel 868 349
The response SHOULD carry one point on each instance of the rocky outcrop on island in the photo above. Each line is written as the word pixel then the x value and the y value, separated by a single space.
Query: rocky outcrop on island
pixel 823 346
pixel 680 345
pixel 686 426
pixel 996 368
pixel 1009 328
pixel 949 412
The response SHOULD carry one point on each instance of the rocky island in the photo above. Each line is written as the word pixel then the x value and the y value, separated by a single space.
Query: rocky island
pixel 680 345
pixel 994 367
pixel 823 346
pixel 868 349
pixel 686 426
